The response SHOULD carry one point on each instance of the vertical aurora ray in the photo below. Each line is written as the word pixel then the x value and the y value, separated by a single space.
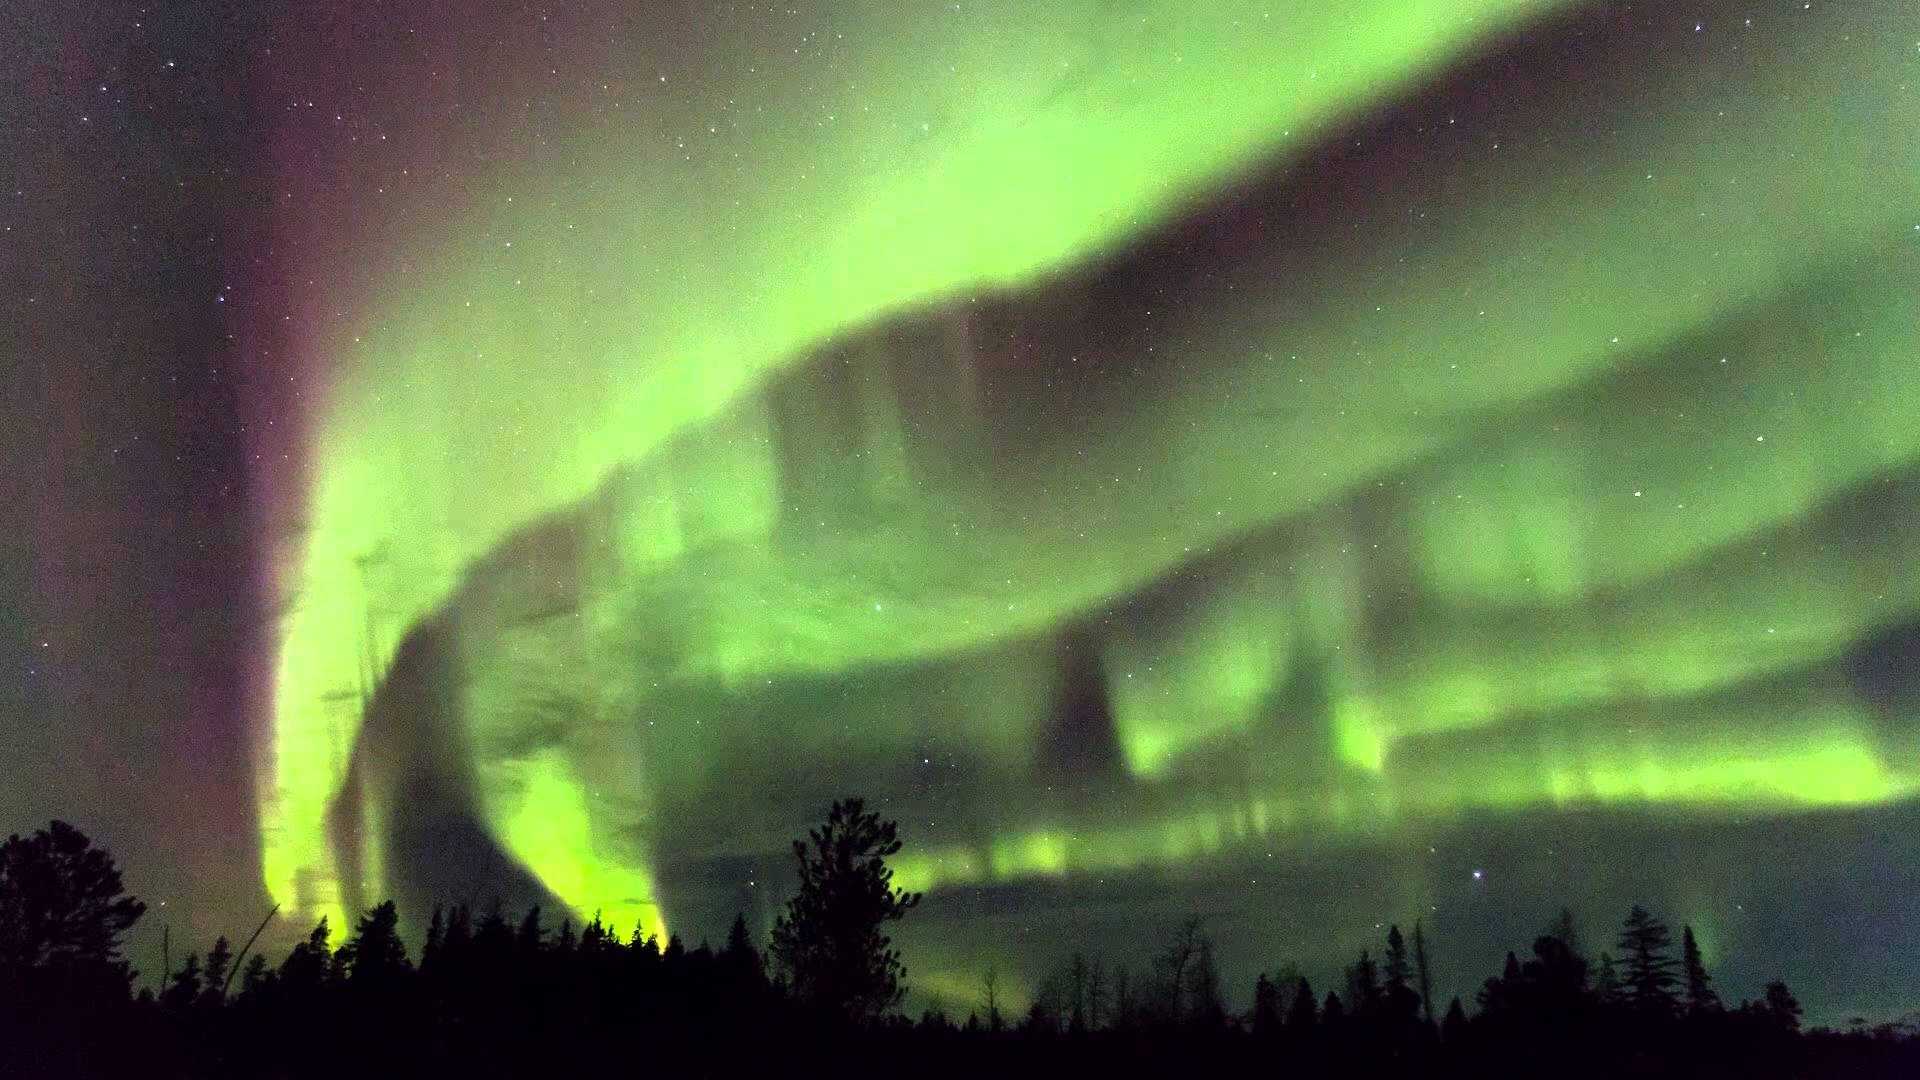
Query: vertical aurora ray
pixel 1491 465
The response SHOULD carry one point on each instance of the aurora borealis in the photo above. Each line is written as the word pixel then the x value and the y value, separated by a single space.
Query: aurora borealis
pixel 1308 464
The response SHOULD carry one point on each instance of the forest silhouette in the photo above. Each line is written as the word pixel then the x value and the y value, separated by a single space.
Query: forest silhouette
pixel 493 993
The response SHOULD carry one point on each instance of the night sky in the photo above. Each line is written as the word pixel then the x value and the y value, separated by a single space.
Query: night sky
pixel 1310 465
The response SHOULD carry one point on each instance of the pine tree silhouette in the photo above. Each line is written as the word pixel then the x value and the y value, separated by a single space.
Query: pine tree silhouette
pixel 1701 997
pixel 1648 980
pixel 1363 985
pixel 219 958
pixel 1398 998
pixel 1782 1008
pixel 1303 1015
pixel 375 959
pixel 1453 1029
pixel 1606 981
pixel 1500 996
pixel 829 942
pixel 253 978
pixel 1555 980
pixel 1333 1016
pixel 303 974
pixel 1266 1006
pixel 63 911
pixel 185 987
pixel 1564 931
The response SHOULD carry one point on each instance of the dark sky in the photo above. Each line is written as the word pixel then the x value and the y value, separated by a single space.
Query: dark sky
pixel 1314 472
pixel 127 607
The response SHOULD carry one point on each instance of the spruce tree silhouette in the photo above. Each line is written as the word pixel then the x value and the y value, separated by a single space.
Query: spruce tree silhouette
pixel 1500 996
pixel 436 934
pixel 375 958
pixel 1333 1017
pixel 1302 1016
pixel 1563 929
pixel 739 956
pixel 1266 1006
pixel 830 942
pixel 1782 1009
pixel 219 958
pixel 1606 981
pixel 741 972
pixel 1453 1029
pixel 184 988
pixel 62 913
pixel 1701 998
pixel 1398 998
pixel 1363 986
pixel 1648 981
pixel 253 977
pixel 304 973
pixel 1398 971
pixel 1554 980
pixel 531 936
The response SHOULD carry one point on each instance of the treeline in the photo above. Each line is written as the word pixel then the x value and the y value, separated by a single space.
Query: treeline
pixel 1640 1008
pixel 487 993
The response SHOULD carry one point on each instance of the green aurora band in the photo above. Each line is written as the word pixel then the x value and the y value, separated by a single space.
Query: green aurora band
pixel 1564 469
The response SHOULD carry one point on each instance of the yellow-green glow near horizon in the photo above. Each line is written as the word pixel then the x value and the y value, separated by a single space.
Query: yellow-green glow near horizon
pixel 545 821
pixel 1525 486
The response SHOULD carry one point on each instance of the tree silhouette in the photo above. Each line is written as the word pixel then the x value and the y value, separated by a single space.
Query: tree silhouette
pixel 1096 994
pixel 740 963
pixel 1126 1002
pixel 1500 996
pixel 1782 1009
pixel 1423 971
pixel 184 988
pixel 1401 1002
pixel 1174 965
pixel 304 973
pixel 1606 981
pixel 219 958
pixel 1648 982
pixel 1363 985
pixel 375 958
pixel 1453 1029
pixel 1208 1009
pixel 430 950
pixel 1701 997
pixel 531 936
pixel 1303 1015
pixel 500 1000
pixel 1563 930
pixel 1333 1016
pixel 1266 1006
pixel 830 943
pixel 253 978
pixel 1078 976
pixel 62 914
pixel 1555 979
pixel 1398 971
pixel 990 997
